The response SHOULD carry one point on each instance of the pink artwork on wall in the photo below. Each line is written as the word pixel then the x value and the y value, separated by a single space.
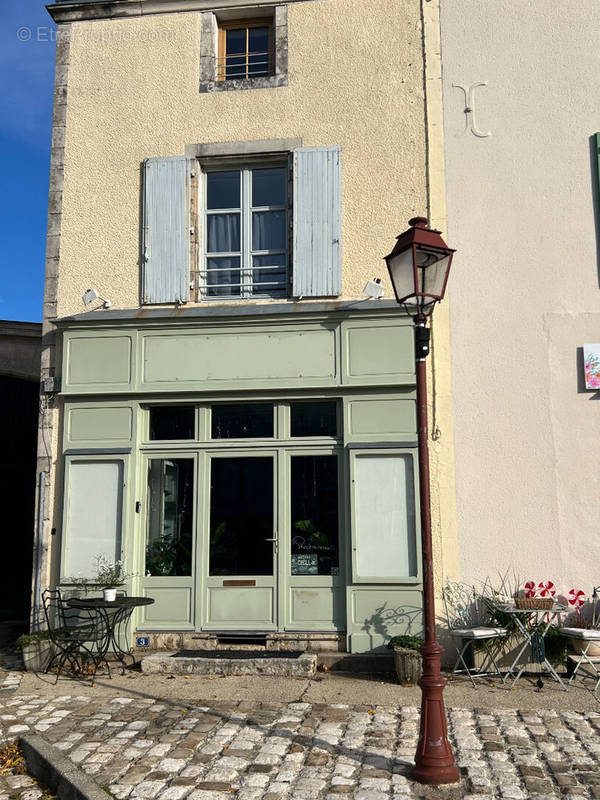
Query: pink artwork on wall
pixel 591 360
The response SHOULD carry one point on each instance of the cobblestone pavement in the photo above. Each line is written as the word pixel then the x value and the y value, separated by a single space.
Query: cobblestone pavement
pixel 140 748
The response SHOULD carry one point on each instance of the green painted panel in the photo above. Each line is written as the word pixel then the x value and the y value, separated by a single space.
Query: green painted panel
pixel 98 360
pixel 318 607
pixel 106 424
pixel 378 417
pixel 266 357
pixel 232 606
pixel 378 354
pixel 172 607
pixel 378 613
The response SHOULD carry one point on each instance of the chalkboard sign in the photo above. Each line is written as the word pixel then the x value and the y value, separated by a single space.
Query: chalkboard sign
pixel 305 564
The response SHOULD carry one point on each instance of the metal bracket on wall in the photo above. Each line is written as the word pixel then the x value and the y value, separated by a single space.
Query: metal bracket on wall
pixel 469 109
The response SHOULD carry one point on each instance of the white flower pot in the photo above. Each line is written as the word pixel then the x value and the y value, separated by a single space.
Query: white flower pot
pixel 579 646
pixel 109 595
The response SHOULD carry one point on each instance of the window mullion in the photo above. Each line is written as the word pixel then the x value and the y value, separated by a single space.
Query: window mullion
pixel 247 51
pixel 246 289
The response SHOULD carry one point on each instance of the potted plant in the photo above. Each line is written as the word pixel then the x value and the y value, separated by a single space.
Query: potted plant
pixel 110 575
pixel 585 621
pixel 37 650
pixel 407 658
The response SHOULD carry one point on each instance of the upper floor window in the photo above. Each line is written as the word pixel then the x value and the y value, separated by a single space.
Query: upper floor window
pixel 246 233
pixel 225 226
pixel 245 50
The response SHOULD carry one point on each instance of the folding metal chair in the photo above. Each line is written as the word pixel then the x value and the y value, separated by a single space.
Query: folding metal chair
pixel 76 634
pixel 463 612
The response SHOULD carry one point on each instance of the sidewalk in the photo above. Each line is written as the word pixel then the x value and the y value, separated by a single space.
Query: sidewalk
pixel 262 738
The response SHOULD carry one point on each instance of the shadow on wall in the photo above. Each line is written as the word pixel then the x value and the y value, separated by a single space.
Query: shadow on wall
pixel 387 622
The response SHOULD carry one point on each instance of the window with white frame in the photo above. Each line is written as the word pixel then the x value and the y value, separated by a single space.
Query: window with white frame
pixel 225 222
pixel 246 232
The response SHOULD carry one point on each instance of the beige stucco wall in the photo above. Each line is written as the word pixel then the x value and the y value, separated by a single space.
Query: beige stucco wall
pixel 525 289
pixel 355 80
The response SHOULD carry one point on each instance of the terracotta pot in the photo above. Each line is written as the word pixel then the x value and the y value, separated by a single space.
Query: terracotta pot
pixel 409 665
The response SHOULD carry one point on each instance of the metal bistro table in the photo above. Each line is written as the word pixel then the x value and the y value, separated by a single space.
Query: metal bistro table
pixel 534 630
pixel 112 617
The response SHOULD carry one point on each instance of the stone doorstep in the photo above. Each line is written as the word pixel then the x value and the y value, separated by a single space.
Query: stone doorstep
pixel 186 640
pixel 303 666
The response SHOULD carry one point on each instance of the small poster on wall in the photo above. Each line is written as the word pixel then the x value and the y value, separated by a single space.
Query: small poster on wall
pixel 591 361
pixel 305 564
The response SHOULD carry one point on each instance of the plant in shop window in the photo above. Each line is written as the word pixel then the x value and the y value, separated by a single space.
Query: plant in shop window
pixel 312 550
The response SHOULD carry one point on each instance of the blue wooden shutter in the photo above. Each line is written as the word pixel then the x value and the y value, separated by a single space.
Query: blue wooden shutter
pixel 166 238
pixel 317 222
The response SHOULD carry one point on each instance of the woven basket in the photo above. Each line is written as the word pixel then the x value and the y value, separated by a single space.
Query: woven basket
pixel 534 603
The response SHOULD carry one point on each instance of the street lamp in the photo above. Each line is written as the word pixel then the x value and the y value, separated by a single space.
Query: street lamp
pixel 419 265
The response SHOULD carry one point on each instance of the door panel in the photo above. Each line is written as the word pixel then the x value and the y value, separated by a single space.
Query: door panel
pixel 242 543
pixel 169 552
pixel 241 516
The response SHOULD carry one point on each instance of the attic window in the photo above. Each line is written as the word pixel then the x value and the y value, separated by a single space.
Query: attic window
pixel 245 50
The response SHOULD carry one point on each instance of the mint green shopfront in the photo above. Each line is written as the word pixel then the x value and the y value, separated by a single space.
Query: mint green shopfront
pixel 255 468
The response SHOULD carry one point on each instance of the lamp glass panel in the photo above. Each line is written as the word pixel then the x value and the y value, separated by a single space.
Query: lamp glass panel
pixel 401 272
pixel 434 277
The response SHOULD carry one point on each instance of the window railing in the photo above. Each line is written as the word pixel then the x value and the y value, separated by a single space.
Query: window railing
pixel 244 65
pixel 232 282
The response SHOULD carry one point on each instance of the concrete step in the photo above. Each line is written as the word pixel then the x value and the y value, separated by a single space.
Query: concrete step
pixel 356 662
pixel 231 662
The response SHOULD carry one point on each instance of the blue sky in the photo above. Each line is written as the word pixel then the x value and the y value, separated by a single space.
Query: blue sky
pixel 27 51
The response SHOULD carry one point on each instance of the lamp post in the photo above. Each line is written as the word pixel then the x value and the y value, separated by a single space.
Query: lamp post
pixel 419 265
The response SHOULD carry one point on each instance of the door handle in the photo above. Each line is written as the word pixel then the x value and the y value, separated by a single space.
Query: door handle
pixel 271 540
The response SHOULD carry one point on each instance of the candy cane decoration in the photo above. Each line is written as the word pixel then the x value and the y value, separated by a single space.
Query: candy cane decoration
pixel 576 599
pixel 546 589
pixel 530 589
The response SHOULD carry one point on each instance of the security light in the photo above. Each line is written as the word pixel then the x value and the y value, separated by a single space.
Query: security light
pixel 91 295
pixel 374 289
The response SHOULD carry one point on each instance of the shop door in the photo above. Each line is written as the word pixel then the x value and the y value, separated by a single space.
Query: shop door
pixel 240 590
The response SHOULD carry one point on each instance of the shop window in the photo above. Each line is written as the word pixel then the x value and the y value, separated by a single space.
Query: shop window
pixel 314 515
pixel 169 423
pixel 169 534
pixel 242 421
pixel 313 418
pixel 93 515
pixel 384 520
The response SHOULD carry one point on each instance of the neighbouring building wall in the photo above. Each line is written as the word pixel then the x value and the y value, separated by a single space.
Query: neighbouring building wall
pixel 525 297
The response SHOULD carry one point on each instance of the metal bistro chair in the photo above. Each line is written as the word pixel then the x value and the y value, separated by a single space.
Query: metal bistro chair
pixel 463 612
pixel 76 634
pixel 586 639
